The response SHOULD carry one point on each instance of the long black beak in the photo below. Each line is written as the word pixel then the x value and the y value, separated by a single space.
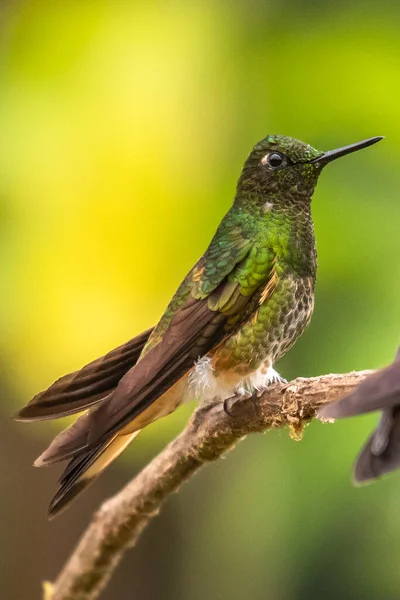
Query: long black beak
pixel 327 157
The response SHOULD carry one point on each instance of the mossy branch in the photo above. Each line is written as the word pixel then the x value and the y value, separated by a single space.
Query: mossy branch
pixel 119 522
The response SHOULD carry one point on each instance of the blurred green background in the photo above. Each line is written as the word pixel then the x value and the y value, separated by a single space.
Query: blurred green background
pixel 124 126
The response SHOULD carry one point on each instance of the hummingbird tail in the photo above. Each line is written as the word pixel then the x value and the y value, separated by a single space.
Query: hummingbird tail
pixel 381 452
pixel 67 444
pixel 85 468
pixel 79 390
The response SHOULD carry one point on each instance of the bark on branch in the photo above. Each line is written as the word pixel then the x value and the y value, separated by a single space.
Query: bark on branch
pixel 117 525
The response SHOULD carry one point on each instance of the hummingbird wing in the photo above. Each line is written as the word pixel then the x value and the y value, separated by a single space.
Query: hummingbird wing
pixel 79 390
pixel 378 391
pixel 196 321
pixel 204 310
pixel 381 452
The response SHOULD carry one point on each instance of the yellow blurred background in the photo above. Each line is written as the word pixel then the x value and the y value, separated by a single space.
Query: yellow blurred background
pixel 124 126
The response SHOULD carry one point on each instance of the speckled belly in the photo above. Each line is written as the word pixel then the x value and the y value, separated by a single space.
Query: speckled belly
pixel 270 332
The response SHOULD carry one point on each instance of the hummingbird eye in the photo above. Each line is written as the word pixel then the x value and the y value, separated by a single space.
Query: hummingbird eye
pixel 273 160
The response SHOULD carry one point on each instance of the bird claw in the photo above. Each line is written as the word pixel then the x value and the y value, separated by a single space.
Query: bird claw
pixel 274 377
pixel 241 394
pixel 226 406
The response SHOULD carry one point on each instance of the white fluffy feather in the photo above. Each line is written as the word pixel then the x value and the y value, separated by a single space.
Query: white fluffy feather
pixel 205 387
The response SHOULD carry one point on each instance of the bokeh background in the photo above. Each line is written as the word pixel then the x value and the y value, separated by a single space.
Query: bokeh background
pixel 123 128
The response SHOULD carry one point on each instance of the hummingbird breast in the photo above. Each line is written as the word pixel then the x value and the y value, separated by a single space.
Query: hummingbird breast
pixel 244 361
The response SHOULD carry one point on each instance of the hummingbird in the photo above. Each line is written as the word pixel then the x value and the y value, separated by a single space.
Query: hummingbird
pixel 379 391
pixel 240 308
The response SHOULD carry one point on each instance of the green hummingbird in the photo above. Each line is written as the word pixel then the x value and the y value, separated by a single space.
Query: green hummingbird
pixel 241 307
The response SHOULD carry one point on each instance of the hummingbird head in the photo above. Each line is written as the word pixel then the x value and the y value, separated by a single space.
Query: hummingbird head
pixel 283 171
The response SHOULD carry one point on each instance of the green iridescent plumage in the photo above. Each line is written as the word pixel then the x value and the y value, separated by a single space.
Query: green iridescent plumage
pixel 265 239
pixel 265 242
pixel 240 308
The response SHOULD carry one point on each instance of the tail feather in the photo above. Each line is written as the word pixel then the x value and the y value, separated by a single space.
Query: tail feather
pixel 83 469
pixel 66 444
pixel 81 389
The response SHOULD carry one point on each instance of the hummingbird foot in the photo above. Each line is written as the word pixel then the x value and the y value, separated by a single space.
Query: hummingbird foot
pixel 241 394
pixel 253 387
pixel 263 378
pixel 272 377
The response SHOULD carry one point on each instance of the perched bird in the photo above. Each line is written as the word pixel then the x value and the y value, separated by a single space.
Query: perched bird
pixel 240 308
pixel 380 391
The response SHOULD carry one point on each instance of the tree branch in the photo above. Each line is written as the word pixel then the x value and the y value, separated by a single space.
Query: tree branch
pixel 117 525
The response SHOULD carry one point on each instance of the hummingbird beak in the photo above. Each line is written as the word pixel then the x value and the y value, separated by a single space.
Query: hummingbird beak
pixel 331 155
